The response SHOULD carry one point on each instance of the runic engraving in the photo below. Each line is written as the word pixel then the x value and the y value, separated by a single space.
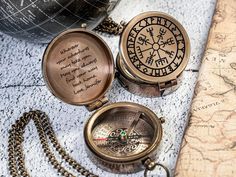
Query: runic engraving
pixel 139 65
pixel 164 72
pixel 150 31
pixel 166 23
pixel 169 53
pixel 161 61
pixel 169 41
pixel 134 58
pixel 158 46
pixel 162 31
pixel 139 52
pixel 145 70
pixel 143 39
pixel 170 68
pixel 150 59
pixel 147 21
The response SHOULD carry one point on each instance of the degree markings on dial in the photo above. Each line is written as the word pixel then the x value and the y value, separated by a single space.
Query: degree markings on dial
pixel 145 140
pixel 116 138
pixel 113 144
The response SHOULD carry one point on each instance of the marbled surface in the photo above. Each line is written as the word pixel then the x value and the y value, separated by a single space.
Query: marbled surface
pixel 22 88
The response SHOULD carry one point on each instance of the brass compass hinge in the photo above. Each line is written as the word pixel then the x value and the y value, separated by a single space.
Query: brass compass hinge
pixel 119 78
pixel 97 104
pixel 168 84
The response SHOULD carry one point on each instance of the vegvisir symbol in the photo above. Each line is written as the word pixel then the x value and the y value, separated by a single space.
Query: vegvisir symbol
pixel 162 32
pixel 143 40
pixel 161 61
pixel 169 41
pixel 155 47
pixel 150 58
pixel 159 46
pixel 150 31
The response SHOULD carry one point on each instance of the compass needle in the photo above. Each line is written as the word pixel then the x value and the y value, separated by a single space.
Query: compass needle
pixel 123 134
pixel 134 123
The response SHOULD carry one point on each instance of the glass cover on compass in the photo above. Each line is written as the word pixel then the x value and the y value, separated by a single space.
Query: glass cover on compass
pixel 155 47
pixel 122 132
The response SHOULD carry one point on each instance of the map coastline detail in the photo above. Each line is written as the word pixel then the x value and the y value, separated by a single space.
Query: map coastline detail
pixel 209 144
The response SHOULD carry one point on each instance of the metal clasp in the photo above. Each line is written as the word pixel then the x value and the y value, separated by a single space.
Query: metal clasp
pixel 119 78
pixel 151 165
pixel 164 85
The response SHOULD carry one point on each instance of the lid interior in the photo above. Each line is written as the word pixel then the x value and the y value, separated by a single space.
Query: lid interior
pixel 78 67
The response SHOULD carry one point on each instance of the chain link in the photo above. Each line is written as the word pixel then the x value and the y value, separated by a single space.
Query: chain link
pixel 110 27
pixel 45 131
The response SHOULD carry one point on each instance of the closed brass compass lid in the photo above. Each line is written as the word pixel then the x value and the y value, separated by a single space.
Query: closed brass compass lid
pixel 78 67
pixel 155 47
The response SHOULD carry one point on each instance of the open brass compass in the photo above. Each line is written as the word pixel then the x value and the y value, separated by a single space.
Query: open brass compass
pixel 78 68
pixel 154 49
pixel 123 137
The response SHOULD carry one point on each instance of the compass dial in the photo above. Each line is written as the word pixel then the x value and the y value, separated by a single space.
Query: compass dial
pixel 155 47
pixel 123 134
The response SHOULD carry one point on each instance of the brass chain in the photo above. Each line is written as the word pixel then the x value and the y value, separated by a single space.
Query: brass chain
pixel 46 133
pixel 110 27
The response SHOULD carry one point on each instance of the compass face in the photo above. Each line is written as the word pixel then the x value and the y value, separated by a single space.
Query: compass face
pixel 155 47
pixel 123 134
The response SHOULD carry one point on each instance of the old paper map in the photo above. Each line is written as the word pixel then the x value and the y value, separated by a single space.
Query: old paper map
pixel 209 144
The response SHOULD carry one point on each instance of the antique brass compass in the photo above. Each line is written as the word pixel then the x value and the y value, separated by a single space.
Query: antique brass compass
pixel 78 68
pixel 154 50
pixel 123 137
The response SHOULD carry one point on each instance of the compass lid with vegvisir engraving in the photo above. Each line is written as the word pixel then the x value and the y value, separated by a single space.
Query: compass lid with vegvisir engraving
pixel 155 47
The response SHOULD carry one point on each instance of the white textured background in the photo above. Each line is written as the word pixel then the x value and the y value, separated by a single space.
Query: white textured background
pixel 22 87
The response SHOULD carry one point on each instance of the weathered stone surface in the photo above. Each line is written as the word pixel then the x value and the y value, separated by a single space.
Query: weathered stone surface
pixel 22 87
